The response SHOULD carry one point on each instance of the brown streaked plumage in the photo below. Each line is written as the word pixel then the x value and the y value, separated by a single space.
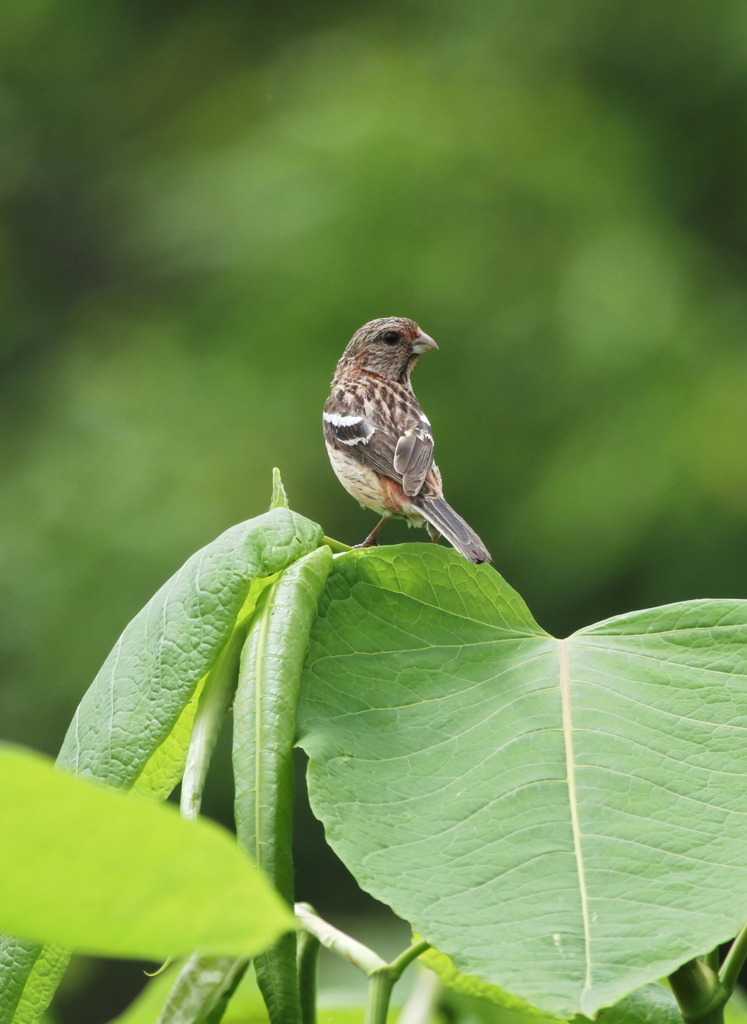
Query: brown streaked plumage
pixel 379 439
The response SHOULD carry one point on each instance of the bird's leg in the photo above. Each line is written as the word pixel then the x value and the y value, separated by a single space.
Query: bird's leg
pixel 433 533
pixel 372 540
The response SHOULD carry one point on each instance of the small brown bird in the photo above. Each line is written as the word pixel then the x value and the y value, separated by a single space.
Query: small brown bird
pixel 379 439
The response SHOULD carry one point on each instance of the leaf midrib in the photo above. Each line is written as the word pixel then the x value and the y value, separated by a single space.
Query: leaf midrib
pixel 565 697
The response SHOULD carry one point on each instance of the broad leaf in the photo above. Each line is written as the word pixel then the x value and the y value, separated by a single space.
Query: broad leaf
pixel 565 819
pixel 113 874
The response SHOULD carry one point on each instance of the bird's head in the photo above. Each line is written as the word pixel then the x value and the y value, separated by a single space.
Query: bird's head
pixel 388 347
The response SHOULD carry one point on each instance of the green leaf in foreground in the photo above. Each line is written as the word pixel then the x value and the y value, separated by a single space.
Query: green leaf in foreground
pixel 115 875
pixel 577 806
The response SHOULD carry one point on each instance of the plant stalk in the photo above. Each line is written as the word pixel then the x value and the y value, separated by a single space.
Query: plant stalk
pixel 383 979
pixel 380 985
pixel 358 954
pixel 713 959
pixel 699 992
pixel 382 976
pixel 336 545
pixel 307 956
pixel 734 961
pixel 397 966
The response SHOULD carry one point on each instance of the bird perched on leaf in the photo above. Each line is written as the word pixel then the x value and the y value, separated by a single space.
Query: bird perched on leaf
pixel 379 439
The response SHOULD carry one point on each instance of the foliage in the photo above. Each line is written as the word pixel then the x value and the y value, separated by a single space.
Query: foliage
pixel 200 202
pixel 559 820
pixel 487 780
pixel 103 871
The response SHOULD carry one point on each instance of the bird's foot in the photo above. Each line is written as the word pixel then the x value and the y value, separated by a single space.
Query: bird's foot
pixel 369 542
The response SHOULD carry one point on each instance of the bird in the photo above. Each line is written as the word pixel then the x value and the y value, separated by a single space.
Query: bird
pixel 380 441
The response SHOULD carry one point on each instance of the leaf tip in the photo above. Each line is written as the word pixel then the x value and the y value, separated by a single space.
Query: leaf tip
pixel 279 498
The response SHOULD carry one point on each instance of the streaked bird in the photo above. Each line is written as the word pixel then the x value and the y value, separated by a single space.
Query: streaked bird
pixel 379 440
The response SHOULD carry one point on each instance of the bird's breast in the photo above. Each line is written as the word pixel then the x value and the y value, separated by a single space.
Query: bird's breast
pixel 361 482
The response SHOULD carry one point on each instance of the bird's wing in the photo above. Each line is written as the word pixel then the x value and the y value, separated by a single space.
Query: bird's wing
pixel 390 433
pixel 413 457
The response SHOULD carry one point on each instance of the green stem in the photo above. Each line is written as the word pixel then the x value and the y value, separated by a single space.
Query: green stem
pixel 734 961
pixel 699 993
pixel 307 955
pixel 397 966
pixel 380 985
pixel 331 937
pixel 382 980
pixel 713 959
pixel 337 546
pixel 382 976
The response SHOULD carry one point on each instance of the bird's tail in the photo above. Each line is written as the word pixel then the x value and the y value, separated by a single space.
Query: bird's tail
pixel 451 525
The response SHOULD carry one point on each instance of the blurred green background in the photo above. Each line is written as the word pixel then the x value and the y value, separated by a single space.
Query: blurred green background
pixel 202 201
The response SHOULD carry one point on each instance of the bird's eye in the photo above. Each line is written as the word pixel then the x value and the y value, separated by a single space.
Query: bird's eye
pixel 390 337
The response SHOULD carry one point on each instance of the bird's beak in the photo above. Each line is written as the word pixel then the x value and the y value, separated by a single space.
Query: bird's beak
pixel 423 343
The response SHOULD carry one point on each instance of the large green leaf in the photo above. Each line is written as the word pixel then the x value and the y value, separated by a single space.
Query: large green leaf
pixel 565 819
pixel 114 874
